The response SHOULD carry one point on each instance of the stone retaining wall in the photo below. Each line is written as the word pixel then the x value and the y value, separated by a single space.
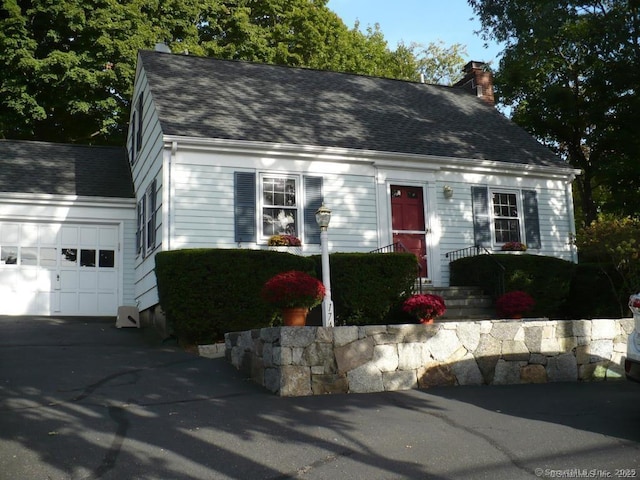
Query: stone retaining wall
pixel 294 361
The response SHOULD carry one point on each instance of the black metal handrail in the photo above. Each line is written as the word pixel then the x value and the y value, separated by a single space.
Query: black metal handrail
pixel 475 251
pixel 463 253
pixel 392 248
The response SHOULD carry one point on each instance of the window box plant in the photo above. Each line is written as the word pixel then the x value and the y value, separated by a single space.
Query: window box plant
pixel 285 243
pixel 514 304
pixel 294 293
pixel 514 247
pixel 425 307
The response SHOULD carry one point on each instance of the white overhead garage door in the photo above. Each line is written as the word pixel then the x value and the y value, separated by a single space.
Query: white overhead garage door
pixel 58 269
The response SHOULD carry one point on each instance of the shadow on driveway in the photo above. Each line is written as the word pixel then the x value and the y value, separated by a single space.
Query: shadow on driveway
pixel 80 399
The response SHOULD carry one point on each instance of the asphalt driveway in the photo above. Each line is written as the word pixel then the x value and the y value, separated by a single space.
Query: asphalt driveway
pixel 80 399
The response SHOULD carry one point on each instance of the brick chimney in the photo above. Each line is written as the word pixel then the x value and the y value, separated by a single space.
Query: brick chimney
pixel 478 81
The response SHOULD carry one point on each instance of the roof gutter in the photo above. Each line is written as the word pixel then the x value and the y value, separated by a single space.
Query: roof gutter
pixel 383 159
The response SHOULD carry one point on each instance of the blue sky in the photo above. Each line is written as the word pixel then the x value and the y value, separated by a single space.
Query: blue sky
pixel 422 21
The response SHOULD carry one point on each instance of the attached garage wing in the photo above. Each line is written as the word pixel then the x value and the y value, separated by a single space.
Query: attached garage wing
pixel 59 268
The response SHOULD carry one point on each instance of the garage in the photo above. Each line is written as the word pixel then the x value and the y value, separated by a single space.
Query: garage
pixel 67 229
pixel 61 269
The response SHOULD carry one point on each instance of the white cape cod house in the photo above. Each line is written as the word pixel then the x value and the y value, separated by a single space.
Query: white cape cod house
pixel 224 154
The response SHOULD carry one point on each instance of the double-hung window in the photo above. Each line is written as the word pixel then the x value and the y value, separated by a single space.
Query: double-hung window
pixel 267 204
pixel 502 215
pixel 506 217
pixel 279 205
pixel 146 232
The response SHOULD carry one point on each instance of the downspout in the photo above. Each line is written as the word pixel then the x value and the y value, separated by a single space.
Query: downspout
pixel 167 194
pixel 380 232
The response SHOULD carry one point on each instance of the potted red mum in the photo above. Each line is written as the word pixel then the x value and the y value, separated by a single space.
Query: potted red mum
pixel 514 304
pixel 294 293
pixel 424 306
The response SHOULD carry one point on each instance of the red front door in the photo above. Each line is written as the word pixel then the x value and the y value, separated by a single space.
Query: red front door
pixel 407 222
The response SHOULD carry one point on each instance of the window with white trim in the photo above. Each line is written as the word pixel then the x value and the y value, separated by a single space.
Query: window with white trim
pixel 146 232
pixel 280 205
pixel 507 216
pixel 151 216
pixel 140 232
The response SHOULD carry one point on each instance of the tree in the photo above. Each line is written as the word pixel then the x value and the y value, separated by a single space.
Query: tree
pixel 441 64
pixel 69 65
pixel 614 241
pixel 569 73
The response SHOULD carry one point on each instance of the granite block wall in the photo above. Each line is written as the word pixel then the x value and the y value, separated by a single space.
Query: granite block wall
pixel 296 361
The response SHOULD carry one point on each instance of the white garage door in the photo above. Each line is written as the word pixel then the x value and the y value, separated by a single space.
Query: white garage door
pixel 58 269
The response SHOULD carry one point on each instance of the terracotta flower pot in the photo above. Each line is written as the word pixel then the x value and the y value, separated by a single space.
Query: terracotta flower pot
pixel 294 317
pixel 426 321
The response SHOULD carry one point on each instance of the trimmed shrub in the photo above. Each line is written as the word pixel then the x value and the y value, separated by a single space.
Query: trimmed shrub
pixel 366 288
pixel 593 293
pixel 208 292
pixel 546 279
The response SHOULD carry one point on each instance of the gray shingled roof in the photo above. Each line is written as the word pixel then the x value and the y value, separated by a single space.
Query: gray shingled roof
pixel 61 169
pixel 211 98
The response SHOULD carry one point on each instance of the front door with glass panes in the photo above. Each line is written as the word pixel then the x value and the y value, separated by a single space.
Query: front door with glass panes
pixel 59 269
pixel 408 224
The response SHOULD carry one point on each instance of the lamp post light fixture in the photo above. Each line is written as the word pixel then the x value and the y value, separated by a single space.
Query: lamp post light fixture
pixel 323 217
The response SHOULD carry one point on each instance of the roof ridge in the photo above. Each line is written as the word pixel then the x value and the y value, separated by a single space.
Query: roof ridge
pixel 296 67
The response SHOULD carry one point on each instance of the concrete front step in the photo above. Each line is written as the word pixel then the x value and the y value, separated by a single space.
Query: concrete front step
pixel 464 302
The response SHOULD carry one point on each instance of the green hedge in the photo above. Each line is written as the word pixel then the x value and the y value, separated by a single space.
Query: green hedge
pixel 207 292
pixel 546 279
pixel 367 287
pixel 594 291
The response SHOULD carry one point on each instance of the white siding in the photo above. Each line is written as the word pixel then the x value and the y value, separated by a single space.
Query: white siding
pixel 147 166
pixel 203 202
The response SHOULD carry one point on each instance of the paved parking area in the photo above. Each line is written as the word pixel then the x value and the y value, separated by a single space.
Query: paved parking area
pixel 80 399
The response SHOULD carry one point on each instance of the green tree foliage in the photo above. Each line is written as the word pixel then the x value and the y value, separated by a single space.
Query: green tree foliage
pixel 69 65
pixel 614 241
pixel 570 73
pixel 440 63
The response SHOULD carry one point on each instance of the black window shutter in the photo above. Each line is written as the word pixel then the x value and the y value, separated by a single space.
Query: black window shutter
pixel 245 206
pixel 531 219
pixel 151 215
pixel 141 233
pixel 139 228
pixel 140 119
pixel 480 207
pixel 134 139
pixel 312 202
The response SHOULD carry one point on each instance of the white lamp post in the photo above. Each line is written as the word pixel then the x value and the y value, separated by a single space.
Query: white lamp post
pixel 323 217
